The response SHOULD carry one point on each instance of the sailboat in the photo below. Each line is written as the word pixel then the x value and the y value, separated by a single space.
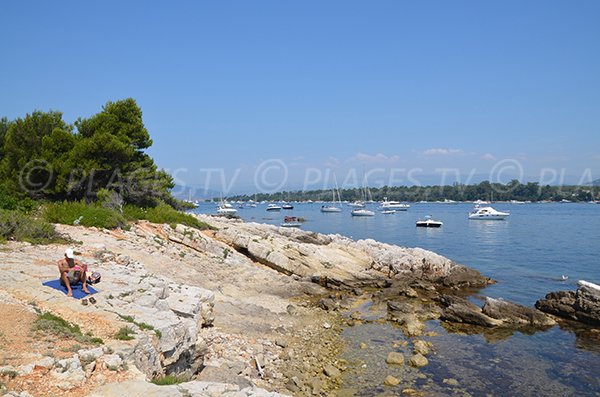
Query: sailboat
pixel 363 211
pixel 331 207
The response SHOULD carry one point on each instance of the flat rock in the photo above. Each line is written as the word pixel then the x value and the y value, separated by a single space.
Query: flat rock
pixel 391 381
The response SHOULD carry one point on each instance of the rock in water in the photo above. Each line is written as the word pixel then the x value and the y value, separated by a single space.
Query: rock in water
pixel 421 347
pixel 511 313
pixel 391 381
pixel 582 305
pixel 418 360
pixel 395 358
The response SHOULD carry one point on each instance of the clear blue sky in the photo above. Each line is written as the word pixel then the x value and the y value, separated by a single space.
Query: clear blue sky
pixel 336 85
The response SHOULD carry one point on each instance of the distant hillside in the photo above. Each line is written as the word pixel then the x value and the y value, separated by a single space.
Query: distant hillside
pixel 595 183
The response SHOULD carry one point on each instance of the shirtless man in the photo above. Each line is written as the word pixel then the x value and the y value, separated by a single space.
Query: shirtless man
pixel 72 271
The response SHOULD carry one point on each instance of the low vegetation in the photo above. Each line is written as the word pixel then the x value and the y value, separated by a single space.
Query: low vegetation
pixel 163 213
pixel 80 213
pixel 168 380
pixel 142 326
pixel 125 333
pixel 50 323
pixel 16 225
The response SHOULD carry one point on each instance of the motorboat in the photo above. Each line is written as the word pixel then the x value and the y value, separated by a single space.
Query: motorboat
pixel 226 209
pixel 291 221
pixel 388 212
pixel 287 207
pixel 273 207
pixel 429 222
pixel 394 205
pixel 362 212
pixel 487 213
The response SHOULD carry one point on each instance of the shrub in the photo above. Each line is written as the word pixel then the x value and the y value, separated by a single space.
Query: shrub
pixel 124 334
pixel 48 322
pixel 80 213
pixel 163 213
pixel 15 225
pixel 9 202
pixel 168 380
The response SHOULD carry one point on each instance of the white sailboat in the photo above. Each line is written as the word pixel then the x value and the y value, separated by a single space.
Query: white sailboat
pixel 329 208
pixel 363 211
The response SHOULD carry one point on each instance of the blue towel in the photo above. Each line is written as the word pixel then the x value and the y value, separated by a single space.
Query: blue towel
pixel 77 291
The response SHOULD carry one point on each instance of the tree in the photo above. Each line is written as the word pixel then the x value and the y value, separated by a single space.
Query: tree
pixel 109 154
pixel 22 167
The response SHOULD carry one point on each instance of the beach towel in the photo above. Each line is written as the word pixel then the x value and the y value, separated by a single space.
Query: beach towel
pixel 77 291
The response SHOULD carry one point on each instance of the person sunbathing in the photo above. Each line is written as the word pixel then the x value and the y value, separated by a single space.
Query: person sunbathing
pixel 72 271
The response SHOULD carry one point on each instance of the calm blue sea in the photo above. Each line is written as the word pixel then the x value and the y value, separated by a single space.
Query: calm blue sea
pixel 526 254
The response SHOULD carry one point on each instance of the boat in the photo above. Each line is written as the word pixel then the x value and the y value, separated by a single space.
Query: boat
pixel 394 205
pixel 290 221
pixel 487 213
pixel 388 212
pixel 328 208
pixel 357 204
pixel 287 207
pixel 428 222
pixel 226 209
pixel 362 212
pixel 358 211
pixel 273 207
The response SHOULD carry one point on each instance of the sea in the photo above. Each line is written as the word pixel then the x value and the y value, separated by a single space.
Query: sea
pixel 538 249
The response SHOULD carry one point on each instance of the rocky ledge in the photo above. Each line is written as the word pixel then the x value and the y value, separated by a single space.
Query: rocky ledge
pixel 582 305
pixel 338 261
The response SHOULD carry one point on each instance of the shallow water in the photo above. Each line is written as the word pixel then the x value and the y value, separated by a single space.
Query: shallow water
pixel 527 254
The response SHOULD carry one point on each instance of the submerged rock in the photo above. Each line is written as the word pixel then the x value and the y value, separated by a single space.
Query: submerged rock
pixel 395 358
pixel 582 305
pixel 391 381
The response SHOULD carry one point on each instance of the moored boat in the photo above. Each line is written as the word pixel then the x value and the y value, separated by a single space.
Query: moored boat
pixel 394 205
pixel 487 213
pixel 273 207
pixel 429 222
pixel 362 212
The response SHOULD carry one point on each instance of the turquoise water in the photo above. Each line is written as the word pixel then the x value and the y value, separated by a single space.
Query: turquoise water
pixel 527 254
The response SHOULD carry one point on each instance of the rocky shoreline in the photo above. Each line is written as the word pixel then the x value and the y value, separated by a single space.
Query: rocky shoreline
pixel 246 309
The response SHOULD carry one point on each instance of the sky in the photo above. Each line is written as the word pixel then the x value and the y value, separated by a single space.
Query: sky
pixel 276 95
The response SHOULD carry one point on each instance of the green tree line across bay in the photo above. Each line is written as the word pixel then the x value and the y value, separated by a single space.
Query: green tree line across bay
pixel 513 190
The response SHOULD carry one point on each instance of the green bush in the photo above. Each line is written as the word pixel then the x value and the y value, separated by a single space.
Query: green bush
pixel 80 213
pixel 15 225
pixel 53 324
pixel 9 202
pixel 163 213
pixel 125 333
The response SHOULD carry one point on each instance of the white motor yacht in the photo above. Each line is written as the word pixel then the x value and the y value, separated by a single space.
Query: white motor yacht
pixel 487 213
pixel 226 209
pixel 273 207
pixel 393 205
